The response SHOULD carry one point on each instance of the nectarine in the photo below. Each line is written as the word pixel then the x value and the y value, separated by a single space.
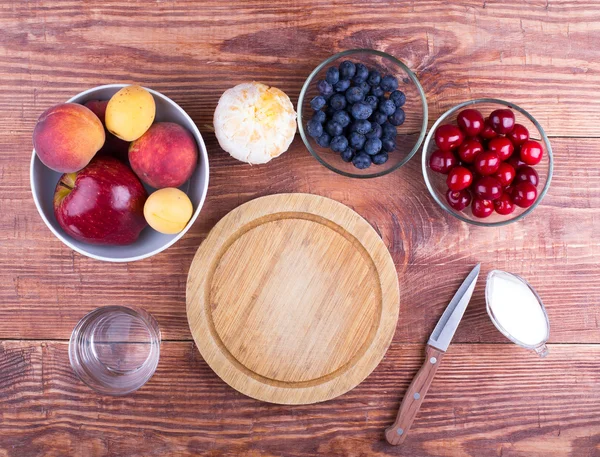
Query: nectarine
pixel 67 136
pixel 164 156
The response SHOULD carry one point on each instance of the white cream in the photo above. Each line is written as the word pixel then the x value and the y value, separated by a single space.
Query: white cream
pixel 516 308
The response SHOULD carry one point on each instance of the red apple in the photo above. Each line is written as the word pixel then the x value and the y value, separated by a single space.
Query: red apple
pixel 113 146
pixel 101 204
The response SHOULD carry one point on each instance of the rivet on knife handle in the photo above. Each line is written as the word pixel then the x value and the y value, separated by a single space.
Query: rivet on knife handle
pixel 414 396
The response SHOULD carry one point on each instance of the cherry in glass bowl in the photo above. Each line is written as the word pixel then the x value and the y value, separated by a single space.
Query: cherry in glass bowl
pixel 437 182
pixel 410 134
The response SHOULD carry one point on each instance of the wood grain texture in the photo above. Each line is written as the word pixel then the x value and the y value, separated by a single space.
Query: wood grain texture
pixel 487 400
pixel 292 299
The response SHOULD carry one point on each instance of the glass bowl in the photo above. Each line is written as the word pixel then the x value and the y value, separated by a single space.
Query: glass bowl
pixel 436 182
pixel 410 134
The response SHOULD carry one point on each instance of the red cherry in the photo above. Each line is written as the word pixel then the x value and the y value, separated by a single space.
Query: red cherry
pixel 488 188
pixel 487 163
pixel 502 120
pixel 505 174
pixel 501 146
pixel 470 121
pixel 516 161
pixel 469 150
pixel 531 152
pixel 488 131
pixel 459 178
pixel 504 205
pixel 458 200
pixel 482 208
pixel 519 135
pixel 524 194
pixel 448 137
pixel 527 174
pixel 442 161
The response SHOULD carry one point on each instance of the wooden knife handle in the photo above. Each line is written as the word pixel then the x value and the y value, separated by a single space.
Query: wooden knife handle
pixel 414 396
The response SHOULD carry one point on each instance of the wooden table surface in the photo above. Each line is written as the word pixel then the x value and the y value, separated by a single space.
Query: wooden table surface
pixel 490 398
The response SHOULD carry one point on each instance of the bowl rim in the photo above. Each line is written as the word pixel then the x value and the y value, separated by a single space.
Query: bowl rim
pixel 205 171
pixel 385 55
pixel 497 101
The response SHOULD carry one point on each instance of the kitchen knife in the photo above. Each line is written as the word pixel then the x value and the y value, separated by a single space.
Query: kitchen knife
pixel 436 348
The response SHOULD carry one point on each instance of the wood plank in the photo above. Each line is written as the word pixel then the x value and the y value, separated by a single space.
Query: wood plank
pixel 557 248
pixel 485 400
pixel 539 54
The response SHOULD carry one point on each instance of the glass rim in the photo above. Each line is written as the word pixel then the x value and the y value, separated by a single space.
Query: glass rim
pixel 497 101
pixel 387 56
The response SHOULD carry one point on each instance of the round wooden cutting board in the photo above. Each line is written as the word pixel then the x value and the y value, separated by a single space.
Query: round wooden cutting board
pixel 292 299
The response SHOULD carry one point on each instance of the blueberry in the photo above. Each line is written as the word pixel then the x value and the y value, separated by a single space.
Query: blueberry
pixel 381 158
pixel 365 87
pixel 375 132
pixel 361 126
pixel 354 94
pixel 334 128
pixel 398 117
pixel 330 110
pixel 347 70
pixel 374 78
pixel 378 117
pixel 347 155
pixel 341 117
pixel 324 88
pixel 342 85
pixel 372 101
pixel 333 75
pixel 356 140
pixel 389 83
pixel 319 116
pixel 377 91
pixel 372 146
pixel 389 130
pixel 388 144
pixel 387 107
pixel 315 129
pixel 398 98
pixel 361 161
pixel 362 72
pixel 338 143
pixel 337 102
pixel 318 102
pixel 324 140
pixel 361 110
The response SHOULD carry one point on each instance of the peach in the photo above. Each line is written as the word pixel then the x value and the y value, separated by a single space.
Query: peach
pixel 113 146
pixel 98 107
pixel 67 136
pixel 164 156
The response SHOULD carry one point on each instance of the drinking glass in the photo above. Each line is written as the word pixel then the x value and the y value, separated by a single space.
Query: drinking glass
pixel 115 349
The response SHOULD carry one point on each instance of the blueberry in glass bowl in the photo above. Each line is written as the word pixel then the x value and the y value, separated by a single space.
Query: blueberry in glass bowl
pixel 363 113
pixel 487 162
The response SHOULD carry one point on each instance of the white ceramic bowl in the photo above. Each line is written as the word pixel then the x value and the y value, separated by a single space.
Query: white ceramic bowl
pixel 43 182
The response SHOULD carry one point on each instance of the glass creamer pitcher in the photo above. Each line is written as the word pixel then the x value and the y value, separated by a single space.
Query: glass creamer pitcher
pixel 517 311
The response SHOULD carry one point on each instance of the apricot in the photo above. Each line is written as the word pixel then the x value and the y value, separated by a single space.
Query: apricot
pixel 67 136
pixel 130 112
pixel 165 156
pixel 168 210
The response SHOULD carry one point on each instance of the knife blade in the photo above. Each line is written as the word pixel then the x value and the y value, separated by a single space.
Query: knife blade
pixel 436 347
pixel 446 327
